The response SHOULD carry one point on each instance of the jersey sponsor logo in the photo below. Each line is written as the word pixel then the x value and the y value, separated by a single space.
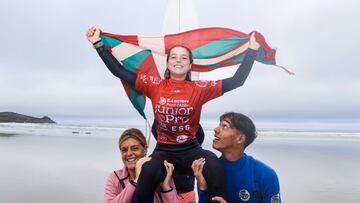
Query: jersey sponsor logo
pixel 181 138
pixel 162 101
pixel 275 198
pixel 244 195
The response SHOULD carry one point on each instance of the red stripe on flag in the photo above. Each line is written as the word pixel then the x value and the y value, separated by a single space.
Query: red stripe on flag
pixel 132 39
pixel 148 67
pixel 269 52
pixel 127 88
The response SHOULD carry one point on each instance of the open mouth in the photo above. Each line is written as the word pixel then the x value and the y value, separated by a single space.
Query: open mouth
pixel 178 66
pixel 131 160
pixel 216 139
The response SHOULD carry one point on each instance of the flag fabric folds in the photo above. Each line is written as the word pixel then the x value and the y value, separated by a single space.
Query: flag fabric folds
pixel 212 48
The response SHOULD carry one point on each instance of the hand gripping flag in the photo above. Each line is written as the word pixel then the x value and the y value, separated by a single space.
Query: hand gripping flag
pixel 212 48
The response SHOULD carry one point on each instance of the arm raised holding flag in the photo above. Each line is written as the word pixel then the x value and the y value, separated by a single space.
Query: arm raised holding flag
pixel 177 102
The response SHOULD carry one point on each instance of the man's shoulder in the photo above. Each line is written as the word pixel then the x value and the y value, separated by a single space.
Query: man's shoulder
pixel 268 180
pixel 261 168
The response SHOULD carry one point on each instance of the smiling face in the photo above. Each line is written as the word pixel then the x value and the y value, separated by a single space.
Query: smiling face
pixel 131 151
pixel 179 63
pixel 227 138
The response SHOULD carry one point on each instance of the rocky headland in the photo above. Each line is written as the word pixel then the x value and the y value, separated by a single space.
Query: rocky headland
pixel 11 117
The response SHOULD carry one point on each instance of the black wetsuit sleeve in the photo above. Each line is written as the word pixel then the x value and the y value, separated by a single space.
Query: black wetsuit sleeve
pixel 241 73
pixel 115 67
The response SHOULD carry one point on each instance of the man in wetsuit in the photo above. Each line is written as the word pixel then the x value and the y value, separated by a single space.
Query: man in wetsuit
pixel 247 179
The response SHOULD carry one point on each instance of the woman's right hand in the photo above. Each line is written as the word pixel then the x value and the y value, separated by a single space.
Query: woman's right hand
pixel 93 34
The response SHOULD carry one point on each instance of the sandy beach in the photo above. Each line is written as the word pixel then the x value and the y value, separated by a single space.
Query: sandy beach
pixel 73 168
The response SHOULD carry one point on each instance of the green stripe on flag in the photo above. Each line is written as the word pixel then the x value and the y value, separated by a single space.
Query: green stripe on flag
pixel 214 66
pixel 109 41
pixel 133 62
pixel 137 99
pixel 218 47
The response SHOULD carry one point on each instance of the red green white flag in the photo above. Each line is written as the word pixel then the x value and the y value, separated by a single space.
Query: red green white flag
pixel 212 48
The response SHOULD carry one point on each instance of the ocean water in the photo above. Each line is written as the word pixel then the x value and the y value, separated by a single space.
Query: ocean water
pixel 112 129
pixel 70 162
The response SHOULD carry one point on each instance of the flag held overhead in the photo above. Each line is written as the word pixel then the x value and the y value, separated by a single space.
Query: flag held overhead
pixel 212 48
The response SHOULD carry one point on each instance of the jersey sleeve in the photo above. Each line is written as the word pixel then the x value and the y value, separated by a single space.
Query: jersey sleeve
pixel 271 190
pixel 202 195
pixel 209 89
pixel 241 73
pixel 115 67
pixel 147 84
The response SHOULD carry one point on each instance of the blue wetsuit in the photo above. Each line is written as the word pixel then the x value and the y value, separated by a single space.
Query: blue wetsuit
pixel 248 180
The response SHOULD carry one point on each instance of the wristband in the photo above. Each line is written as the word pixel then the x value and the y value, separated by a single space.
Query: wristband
pixel 98 44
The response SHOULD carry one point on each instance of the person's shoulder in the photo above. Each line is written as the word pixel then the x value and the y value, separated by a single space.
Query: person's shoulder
pixel 150 79
pixel 268 180
pixel 205 83
pixel 262 168
pixel 119 174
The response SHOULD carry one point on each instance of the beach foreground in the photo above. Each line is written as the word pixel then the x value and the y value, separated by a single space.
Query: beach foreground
pixel 74 168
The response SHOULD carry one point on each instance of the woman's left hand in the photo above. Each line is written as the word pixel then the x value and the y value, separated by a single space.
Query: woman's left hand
pixel 165 185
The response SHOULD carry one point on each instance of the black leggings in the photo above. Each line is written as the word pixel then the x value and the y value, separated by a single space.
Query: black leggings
pixel 153 172
pixel 183 182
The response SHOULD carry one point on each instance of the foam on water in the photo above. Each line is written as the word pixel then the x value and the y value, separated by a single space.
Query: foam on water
pixel 59 130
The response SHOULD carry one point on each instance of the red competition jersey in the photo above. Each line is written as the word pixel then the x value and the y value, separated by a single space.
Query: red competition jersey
pixel 177 105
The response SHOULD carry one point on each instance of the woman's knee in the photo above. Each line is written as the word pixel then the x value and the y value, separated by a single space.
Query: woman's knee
pixel 152 167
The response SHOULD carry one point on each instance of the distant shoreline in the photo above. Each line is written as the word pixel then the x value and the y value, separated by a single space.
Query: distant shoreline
pixel 12 117
pixel 7 134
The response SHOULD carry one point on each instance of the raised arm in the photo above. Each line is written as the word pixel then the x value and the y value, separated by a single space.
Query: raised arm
pixel 93 35
pixel 244 69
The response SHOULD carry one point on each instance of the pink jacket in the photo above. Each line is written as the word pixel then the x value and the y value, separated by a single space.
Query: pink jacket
pixel 122 191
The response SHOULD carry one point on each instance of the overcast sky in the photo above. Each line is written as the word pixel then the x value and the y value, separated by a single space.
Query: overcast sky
pixel 47 67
